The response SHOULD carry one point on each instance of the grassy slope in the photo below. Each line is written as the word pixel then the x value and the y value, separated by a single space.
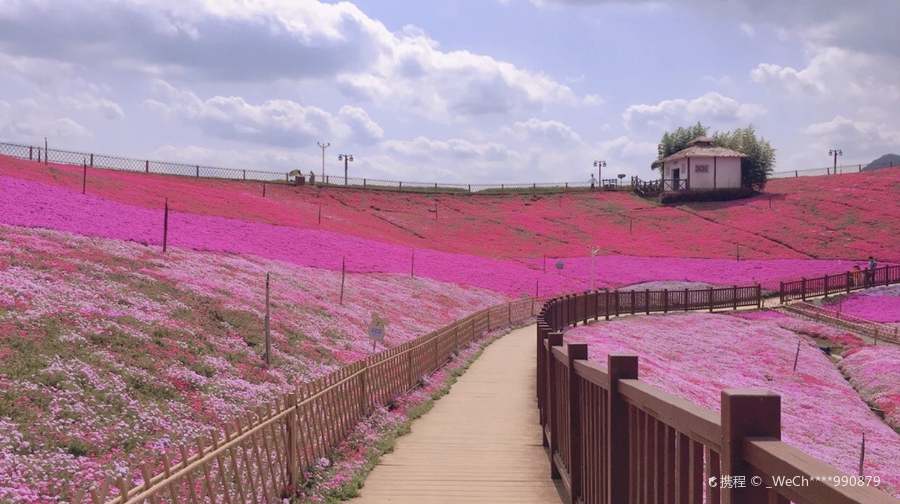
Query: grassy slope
pixel 848 216
pixel 110 349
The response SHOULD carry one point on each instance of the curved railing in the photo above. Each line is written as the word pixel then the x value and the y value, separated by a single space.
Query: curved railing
pixel 614 439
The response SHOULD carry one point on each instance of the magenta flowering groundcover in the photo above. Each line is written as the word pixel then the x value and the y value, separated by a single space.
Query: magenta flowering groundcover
pixel 696 356
pixel 881 304
pixel 110 350
pixel 36 205
pixel 875 372
pixel 851 216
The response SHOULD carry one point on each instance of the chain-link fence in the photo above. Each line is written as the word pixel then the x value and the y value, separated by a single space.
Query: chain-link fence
pixel 830 170
pixel 59 156
pixel 101 161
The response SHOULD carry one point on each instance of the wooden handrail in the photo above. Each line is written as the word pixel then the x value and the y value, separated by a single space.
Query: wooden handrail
pixel 700 424
pixel 774 457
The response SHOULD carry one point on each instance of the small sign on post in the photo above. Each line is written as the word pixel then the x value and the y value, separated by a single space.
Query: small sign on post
pixel 376 329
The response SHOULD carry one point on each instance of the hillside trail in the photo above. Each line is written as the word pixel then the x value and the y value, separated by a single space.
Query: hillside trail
pixel 480 444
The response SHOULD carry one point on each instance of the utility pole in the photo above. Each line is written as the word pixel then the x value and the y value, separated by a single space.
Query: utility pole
pixel 346 158
pixel 323 146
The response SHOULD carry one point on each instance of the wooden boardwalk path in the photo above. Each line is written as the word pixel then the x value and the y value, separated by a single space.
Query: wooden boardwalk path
pixel 480 444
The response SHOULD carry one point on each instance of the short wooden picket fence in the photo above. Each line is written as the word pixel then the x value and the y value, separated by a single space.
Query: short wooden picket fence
pixel 260 459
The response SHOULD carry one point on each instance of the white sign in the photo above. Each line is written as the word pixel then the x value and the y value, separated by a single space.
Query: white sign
pixel 376 328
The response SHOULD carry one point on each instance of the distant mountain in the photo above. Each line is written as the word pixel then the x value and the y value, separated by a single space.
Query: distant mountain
pixel 883 162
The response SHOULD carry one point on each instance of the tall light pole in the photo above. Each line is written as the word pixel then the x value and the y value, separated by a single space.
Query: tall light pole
pixel 599 165
pixel 835 153
pixel 594 251
pixel 323 146
pixel 346 158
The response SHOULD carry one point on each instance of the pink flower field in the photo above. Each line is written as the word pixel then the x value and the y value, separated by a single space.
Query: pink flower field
pixel 109 349
pixel 36 205
pixel 881 304
pixel 695 356
pixel 846 217
pixel 874 372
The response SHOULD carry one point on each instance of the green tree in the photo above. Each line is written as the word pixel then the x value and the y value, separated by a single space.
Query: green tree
pixel 677 141
pixel 760 160
pixel 755 168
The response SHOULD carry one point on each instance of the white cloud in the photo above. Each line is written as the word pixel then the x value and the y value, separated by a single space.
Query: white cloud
pixel 301 40
pixel 851 134
pixel 835 73
pixel 712 109
pixel 28 120
pixel 535 131
pixel 274 122
pixel 87 103
pixel 747 29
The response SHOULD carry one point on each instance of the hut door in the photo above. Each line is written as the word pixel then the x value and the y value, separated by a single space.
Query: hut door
pixel 676 176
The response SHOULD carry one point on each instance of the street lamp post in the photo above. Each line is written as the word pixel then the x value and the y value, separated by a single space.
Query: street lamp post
pixel 599 165
pixel 346 158
pixel 835 153
pixel 594 251
pixel 323 146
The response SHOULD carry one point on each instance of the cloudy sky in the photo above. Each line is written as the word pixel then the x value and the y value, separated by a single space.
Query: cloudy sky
pixel 448 90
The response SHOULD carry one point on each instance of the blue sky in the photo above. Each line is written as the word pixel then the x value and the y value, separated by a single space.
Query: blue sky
pixel 456 90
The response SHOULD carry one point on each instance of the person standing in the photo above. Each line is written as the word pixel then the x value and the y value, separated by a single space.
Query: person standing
pixel 593 181
pixel 856 275
pixel 871 272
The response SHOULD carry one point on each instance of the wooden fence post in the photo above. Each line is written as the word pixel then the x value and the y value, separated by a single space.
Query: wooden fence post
pixel 166 225
pixel 555 339
pixel 606 298
pixel 665 300
pixel 781 293
pixel 92 160
pixel 803 289
pixel 686 296
pixel 268 339
pixel 293 464
pixel 573 313
pixel 586 296
pixel 710 299
pixel 620 367
pixel 647 300
pixel 758 296
pixel 746 413
pixel 617 303
pixel 734 298
pixel 578 351
pixel 343 273
pixel 147 166
pixel 633 301
pixel 849 281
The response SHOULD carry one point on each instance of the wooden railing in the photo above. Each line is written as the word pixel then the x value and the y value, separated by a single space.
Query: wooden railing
pixel 853 323
pixel 259 459
pixel 842 282
pixel 593 305
pixel 613 439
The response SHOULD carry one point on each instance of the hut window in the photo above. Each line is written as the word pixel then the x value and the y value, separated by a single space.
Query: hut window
pixel 702 169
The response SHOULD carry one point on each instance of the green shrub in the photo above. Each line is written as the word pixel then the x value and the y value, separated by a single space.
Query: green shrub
pixel 702 195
